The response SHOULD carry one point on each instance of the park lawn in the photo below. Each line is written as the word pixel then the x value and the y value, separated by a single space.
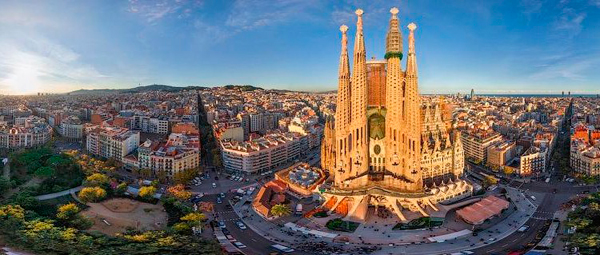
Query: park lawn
pixel 342 225
pixel 58 171
pixel 423 222
pixel 48 208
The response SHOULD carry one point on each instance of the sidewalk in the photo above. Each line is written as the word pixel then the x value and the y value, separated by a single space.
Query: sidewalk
pixel 520 216
pixel 58 194
pixel 263 227
pixel 275 231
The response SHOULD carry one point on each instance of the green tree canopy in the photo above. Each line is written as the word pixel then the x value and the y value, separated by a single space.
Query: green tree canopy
pixel 67 211
pixel 97 179
pixel 280 210
pixel 44 171
pixel 147 192
pixel 92 194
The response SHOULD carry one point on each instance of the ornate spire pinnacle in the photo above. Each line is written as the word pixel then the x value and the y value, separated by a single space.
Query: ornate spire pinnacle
pixel 411 66
pixel 344 62
pixel 393 43
pixel 411 37
pixel 359 43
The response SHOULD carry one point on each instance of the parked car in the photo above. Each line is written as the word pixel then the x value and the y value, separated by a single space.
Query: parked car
pixel 222 224
pixel 219 201
pixel 239 245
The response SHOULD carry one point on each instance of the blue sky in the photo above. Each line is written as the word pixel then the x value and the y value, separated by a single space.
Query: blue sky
pixel 521 46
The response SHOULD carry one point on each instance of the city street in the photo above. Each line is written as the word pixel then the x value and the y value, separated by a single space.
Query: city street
pixel 257 244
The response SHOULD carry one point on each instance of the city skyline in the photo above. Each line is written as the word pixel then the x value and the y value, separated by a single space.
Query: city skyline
pixel 199 127
pixel 514 47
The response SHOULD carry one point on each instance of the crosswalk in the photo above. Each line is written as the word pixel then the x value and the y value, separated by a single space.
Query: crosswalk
pixel 229 220
pixel 543 215
pixel 225 212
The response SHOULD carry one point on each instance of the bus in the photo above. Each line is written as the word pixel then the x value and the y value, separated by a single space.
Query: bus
pixel 282 248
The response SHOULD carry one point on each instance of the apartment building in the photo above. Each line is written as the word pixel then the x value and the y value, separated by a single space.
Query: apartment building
pixel 180 152
pixel 148 124
pixel 263 154
pixel 500 153
pixel 71 127
pixel 584 158
pixel 27 132
pixel 476 143
pixel 112 142
pixel 533 161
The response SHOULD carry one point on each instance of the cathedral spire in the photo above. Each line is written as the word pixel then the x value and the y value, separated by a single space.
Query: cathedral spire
pixel 359 41
pixel 393 40
pixel 342 115
pixel 359 133
pixel 344 64
pixel 411 66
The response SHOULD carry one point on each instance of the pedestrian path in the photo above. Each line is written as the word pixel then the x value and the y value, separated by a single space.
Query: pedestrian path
pixel 58 194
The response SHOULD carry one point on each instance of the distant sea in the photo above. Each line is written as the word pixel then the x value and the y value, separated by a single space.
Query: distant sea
pixel 538 95
pixel 523 95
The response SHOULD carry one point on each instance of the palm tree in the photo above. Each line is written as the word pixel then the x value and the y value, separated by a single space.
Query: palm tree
pixel 280 210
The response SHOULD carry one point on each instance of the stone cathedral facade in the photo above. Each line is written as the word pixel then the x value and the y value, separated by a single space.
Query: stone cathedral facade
pixel 385 148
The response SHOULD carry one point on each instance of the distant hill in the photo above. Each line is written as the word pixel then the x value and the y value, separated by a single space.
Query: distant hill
pixel 242 87
pixel 168 88
pixel 153 87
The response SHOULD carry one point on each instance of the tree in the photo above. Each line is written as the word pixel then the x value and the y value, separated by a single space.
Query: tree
pixel 182 227
pixel 508 170
pixel 92 194
pixel 184 176
pixel 489 181
pixel 14 211
pixel 178 191
pixel 44 171
pixel 121 188
pixel 67 211
pixel 586 240
pixel 194 219
pixel 280 210
pixel 579 223
pixel 58 161
pixel 161 175
pixel 147 192
pixel 4 184
pixel 26 200
pixel 97 179
pixel 217 161
pixel 145 172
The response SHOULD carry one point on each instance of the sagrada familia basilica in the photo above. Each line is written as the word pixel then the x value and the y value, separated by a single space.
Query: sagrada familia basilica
pixel 385 148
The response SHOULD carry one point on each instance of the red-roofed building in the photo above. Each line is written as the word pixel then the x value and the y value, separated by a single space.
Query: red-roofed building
pixel 485 209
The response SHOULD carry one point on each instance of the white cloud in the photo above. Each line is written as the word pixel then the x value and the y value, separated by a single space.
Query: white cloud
pixel 250 14
pixel 155 10
pixel 570 22
pixel 574 69
pixel 29 64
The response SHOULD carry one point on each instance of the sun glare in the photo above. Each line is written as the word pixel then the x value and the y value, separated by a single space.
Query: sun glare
pixel 24 80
